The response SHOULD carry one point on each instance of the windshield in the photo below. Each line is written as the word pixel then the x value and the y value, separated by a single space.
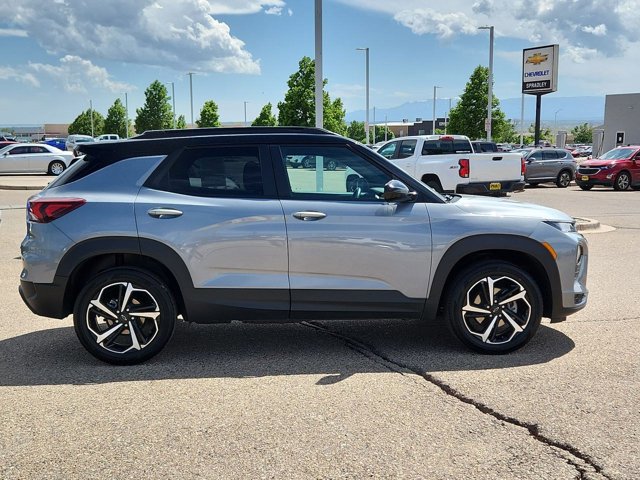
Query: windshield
pixel 618 154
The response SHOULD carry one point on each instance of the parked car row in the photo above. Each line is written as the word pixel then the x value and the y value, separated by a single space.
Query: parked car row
pixel 33 158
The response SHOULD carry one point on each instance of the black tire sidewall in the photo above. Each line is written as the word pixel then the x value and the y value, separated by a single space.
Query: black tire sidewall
pixel 457 296
pixel 140 279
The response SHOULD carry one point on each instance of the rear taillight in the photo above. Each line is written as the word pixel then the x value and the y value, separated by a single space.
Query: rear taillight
pixel 523 166
pixel 46 210
pixel 464 167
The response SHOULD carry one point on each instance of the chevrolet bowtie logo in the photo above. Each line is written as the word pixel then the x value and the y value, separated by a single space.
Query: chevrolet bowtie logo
pixel 537 58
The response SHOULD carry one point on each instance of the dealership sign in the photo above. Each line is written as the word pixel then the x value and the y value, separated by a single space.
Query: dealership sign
pixel 540 70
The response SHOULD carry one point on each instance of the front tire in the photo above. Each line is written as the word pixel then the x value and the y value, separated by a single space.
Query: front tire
pixel 56 167
pixel 494 307
pixel 622 181
pixel 585 187
pixel 124 316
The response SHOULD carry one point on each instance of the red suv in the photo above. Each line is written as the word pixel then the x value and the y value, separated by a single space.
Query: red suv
pixel 618 168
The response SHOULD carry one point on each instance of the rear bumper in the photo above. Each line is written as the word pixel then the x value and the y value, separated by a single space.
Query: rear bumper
pixel 484 188
pixel 44 299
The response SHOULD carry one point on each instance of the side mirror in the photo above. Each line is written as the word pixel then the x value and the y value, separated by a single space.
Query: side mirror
pixel 398 192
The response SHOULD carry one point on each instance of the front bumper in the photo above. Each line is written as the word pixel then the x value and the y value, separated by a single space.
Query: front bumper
pixel 599 178
pixel 490 188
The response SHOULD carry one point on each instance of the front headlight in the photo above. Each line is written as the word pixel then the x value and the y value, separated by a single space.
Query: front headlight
pixel 566 227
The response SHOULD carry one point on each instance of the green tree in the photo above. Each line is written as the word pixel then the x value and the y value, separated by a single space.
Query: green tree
pixel 355 131
pixel 181 123
pixel 116 119
pixel 82 124
pixel 209 115
pixel 380 134
pixel 156 113
pixel 582 133
pixel 266 118
pixel 298 107
pixel 467 117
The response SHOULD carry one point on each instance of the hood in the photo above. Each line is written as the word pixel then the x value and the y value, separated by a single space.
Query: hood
pixel 498 207
pixel 596 162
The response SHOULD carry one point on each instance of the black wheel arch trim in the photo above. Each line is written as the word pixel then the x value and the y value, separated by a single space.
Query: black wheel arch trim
pixel 479 244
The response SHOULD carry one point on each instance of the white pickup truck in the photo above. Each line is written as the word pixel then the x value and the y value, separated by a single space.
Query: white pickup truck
pixel 447 164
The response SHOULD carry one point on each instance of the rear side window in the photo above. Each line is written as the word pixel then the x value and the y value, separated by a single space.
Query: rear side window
pixel 549 155
pixel 443 147
pixel 214 172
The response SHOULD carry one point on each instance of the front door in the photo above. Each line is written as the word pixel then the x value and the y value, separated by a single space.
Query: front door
pixel 351 254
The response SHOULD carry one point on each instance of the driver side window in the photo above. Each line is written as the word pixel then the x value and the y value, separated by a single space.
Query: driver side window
pixel 343 175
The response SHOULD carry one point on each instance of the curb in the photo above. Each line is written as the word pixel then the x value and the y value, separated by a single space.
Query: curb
pixel 22 187
pixel 583 224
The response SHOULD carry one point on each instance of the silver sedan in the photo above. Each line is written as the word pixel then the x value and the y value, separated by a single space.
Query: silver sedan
pixel 33 158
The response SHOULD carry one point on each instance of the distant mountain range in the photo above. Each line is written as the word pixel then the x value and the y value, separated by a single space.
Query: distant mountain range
pixel 570 110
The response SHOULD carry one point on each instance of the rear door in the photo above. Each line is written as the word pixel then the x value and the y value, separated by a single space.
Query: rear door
pixel 217 208
pixel 351 254
pixel 38 159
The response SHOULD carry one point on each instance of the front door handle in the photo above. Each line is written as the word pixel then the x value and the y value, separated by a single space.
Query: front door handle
pixel 309 216
pixel 164 213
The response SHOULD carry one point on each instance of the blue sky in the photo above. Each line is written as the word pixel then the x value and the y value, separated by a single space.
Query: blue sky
pixel 59 54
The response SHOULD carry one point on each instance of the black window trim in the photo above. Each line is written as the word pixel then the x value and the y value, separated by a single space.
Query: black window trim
pixel 156 179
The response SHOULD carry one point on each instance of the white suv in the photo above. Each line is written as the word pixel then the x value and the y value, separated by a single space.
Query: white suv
pixel 74 140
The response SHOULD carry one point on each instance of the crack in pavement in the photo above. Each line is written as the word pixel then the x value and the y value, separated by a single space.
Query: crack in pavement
pixel 584 464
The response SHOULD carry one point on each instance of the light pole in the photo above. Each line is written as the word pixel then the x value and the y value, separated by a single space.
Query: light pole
pixel 126 115
pixel 522 121
pixel 374 125
pixel 245 114
pixel 555 120
pixel 433 129
pixel 191 74
pixel 173 100
pixel 91 109
pixel 490 95
pixel 366 116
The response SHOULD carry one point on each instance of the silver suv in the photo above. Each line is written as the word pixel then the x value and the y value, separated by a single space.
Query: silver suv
pixel 215 225
pixel 549 165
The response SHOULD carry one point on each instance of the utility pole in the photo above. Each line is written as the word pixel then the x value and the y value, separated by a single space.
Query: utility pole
pixel 433 129
pixel 366 115
pixel 245 114
pixel 191 74
pixel 319 96
pixel 91 110
pixel 490 93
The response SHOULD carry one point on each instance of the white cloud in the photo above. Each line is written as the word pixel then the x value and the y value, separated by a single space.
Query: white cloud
pixel 9 73
pixel 243 7
pixel 580 26
pixel 180 34
pixel 598 31
pixel 12 32
pixel 75 74
pixel 273 11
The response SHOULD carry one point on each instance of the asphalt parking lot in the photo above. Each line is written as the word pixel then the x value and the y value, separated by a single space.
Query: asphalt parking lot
pixel 383 399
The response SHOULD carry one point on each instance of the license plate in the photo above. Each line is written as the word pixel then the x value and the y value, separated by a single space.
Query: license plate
pixel 495 186
pixel 585 178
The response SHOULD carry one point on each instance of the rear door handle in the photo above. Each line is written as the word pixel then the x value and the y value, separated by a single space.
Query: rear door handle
pixel 164 213
pixel 309 216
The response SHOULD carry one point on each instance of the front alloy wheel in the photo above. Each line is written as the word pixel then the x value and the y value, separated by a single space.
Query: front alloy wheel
pixel 622 182
pixel 494 307
pixel 124 316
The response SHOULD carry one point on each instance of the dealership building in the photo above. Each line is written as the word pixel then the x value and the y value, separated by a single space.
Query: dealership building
pixel 621 122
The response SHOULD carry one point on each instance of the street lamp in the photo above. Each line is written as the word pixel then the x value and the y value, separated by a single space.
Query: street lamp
pixel 366 121
pixel 173 99
pixel 490 100
pixel 91 109
pixel 191 74
pixel 245 113
pixel 126 115
pixel 555 120
pixel 433 129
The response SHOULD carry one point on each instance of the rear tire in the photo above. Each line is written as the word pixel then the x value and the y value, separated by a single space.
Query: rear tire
pixel 56 167
pixel 564 179
pixel 124 316
pixel 494 307
pixel 585 187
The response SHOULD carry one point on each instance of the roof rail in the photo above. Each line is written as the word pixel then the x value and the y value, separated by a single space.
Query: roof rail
pixel 197 132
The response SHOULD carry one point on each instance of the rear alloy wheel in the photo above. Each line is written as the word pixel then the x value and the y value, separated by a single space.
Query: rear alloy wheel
pixel 622 182
pixel 494 307
pixel 56 167
pixel 306 162
pixel 124 316
pixel 564 179
pixel 331 164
